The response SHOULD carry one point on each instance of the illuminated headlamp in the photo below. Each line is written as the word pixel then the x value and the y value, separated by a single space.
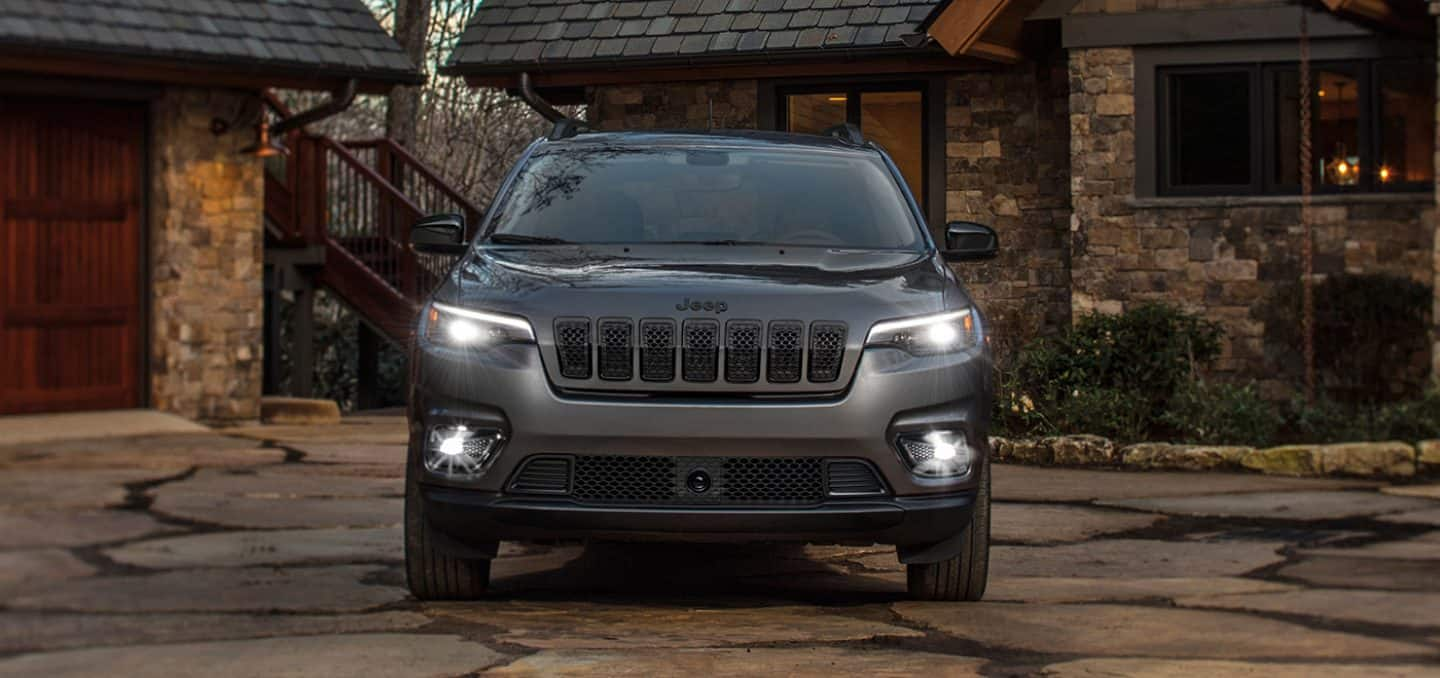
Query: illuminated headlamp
pixel 928 334
pixel 462 327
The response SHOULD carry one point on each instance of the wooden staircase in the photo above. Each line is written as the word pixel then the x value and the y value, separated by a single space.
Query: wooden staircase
pixel 355 201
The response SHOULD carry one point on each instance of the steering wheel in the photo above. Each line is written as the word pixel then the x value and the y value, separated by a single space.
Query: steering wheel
pixel 814 234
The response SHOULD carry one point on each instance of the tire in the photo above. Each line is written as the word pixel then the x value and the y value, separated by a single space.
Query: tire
pixel 962 577
pixel 431 573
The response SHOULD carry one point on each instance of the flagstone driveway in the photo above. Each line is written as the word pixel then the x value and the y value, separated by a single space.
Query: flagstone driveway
pixel 276 551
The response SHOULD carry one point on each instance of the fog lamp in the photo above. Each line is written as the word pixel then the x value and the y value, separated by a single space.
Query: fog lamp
pixel 458 450
pixel 937 454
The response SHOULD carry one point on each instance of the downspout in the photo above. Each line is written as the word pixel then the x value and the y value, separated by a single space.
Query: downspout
pixel 565 126
pixel 340 99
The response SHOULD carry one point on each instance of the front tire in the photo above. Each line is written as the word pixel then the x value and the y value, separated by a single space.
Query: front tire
pixel 962 577
pixel 430 572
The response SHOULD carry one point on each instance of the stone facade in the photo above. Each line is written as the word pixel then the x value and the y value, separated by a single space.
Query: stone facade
pixel 1225 257
pixel 206 259
pixel 1006 159
pixel 729 104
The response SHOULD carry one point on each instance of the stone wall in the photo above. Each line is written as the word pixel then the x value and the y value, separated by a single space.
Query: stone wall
pixel 1007 145
pixel 206 254
pixel 1225 257
pixel 674 105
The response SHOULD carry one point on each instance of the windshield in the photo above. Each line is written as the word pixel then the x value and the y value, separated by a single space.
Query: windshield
pixel 608 194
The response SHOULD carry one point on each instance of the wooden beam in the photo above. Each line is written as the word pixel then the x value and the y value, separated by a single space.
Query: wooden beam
pixel 962 22
pixel 937 63
pixel 996 51
pixel 168 71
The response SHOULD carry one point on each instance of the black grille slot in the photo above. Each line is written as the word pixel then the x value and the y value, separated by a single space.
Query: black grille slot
pixel 572 345
pixel 742 351
pixel 784 358
pixel 616 357
pixel 700 352
pixel 657 350
pixel 543 475
pixel 853 478
pixel 630 479
pixel 773 480
pixel 827 349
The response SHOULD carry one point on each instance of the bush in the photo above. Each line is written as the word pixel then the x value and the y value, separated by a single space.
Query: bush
pixel 1327 421
pixel 1222 414
pixel 1370 336
pixel 1109 374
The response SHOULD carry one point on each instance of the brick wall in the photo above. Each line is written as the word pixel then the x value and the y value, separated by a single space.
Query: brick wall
pixel 206 252
pixel 688 105
pixel 1007 157
pixel 1227 258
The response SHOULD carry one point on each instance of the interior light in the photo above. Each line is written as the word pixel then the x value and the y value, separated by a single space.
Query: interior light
pixel 1384 173
pixel 1321 93
pixel 836 100
pixel 1342 168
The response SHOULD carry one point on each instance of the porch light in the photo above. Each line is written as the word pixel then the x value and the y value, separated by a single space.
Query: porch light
pixel 264 146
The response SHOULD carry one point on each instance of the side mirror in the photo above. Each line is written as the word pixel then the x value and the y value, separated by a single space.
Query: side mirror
pixel 969 241
pixel 439 234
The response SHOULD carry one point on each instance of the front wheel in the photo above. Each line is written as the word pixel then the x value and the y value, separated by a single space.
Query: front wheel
pixel 962 577
pixel 432 573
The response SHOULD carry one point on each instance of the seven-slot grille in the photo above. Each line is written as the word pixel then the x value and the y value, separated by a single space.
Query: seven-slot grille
pixel 782 351
pixel 659 480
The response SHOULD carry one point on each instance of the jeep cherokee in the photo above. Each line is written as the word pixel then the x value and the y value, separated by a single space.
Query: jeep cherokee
pixel 701 336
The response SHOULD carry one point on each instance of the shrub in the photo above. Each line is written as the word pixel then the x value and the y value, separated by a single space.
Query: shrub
pixel 1370 336
pixel 1222 414
pixel 1109 374
pixel 1327 421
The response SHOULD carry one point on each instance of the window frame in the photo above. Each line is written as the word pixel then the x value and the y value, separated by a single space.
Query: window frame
pixel 1263 77
pixel 774 113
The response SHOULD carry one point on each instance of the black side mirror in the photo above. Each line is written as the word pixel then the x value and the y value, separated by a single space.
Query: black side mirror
pixel 969 241
pixel 439 234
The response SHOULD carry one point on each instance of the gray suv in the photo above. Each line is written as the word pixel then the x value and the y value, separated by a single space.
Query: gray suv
pixel 701 336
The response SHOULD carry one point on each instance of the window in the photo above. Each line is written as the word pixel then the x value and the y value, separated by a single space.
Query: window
pixel 735 195
pixel 1235 130
pixel 890 115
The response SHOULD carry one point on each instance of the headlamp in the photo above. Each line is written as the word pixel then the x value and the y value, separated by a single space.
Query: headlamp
pixel 928 334
pixel 463 328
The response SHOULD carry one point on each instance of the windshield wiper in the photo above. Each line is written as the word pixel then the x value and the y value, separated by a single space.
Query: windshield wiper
pixel 715 242
pixel 521 239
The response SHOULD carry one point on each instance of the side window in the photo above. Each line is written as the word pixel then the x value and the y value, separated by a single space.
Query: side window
pixel 1208 140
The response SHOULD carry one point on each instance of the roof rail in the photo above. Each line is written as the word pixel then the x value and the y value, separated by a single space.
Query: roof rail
pixel 565 126
pixel 847 132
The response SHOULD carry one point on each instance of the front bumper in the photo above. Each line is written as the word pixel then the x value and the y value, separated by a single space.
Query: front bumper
pixel 889 394
pixel 475 516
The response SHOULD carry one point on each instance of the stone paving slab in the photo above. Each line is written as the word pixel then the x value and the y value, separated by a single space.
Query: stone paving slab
pixel 375 430
pixel 308 589
pixel 52 428
pixel 1089 590
pixel 271 547
pixel 1051 523
pixel 77 528
pixel 389 454
pixel 1365 573
pixel 1425 517
pixel 1423 491
pixel 43 491
pixel 374 654
pixel 820 662
pixel 22 571
pixel 171 454
pixel 1408 608
pixel 254 513
pixel 1303 505
pixel 281 482
pixel 583 625
pixel 1107 558
pixel 1038 483
pixel 1172 668
pixel 1126 631
pixel 1423 547
pixel 33 631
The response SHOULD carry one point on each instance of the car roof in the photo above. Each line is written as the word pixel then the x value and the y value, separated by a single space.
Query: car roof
pixel 733 138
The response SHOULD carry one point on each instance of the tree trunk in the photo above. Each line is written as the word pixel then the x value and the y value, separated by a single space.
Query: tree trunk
pixel 412 23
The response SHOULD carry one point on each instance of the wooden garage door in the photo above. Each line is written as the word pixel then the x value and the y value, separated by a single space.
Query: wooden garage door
pixel 71 182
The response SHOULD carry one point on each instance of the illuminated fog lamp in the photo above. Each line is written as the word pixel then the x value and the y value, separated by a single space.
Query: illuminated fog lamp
pixel 460 451
pixel 937 454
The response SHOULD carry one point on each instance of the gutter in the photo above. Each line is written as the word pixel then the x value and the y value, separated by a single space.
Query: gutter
pixel 340 99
